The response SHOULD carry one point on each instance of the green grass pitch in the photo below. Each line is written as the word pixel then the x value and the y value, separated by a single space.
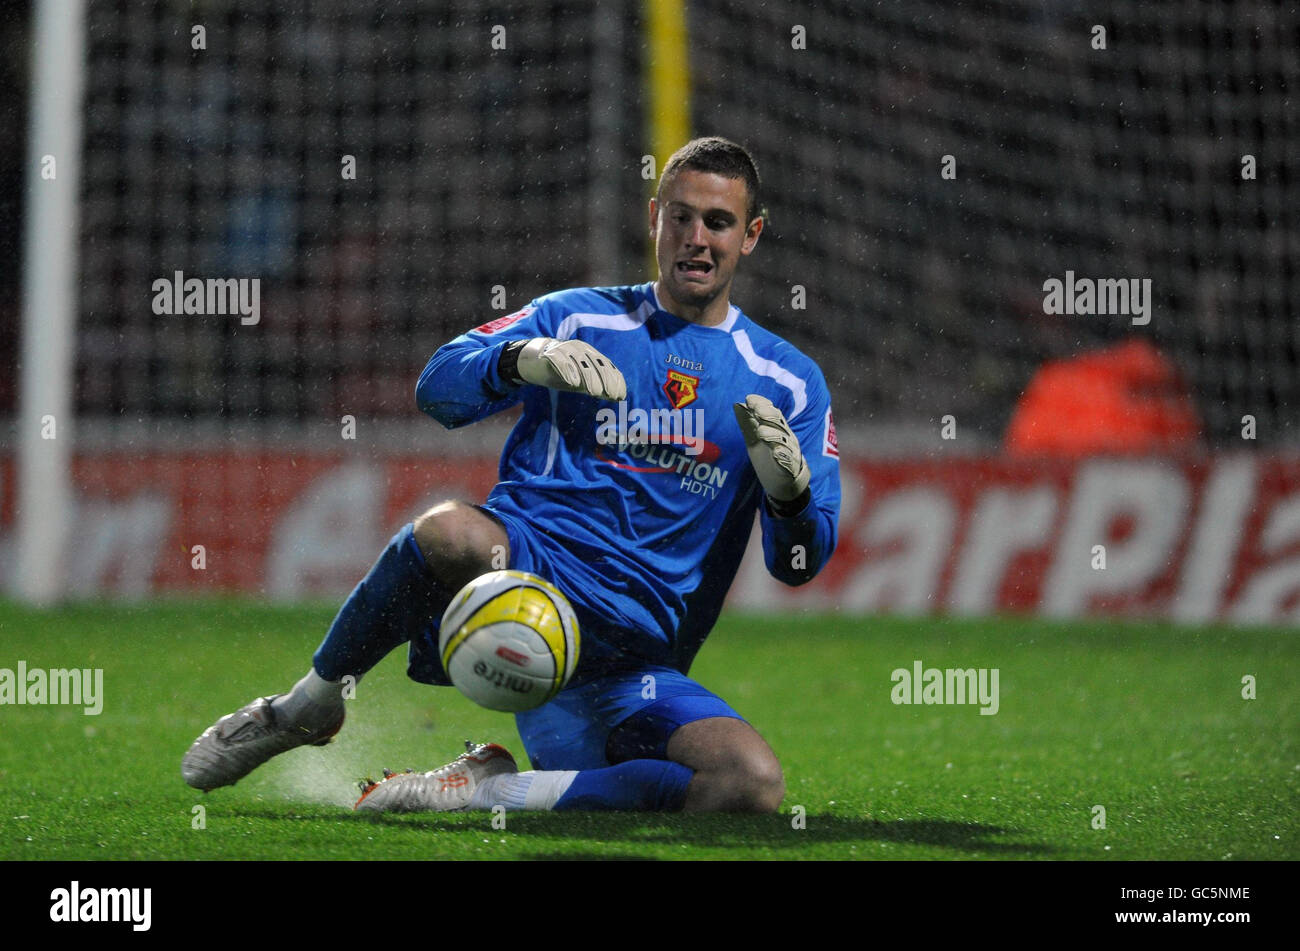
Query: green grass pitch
pixel 1146 720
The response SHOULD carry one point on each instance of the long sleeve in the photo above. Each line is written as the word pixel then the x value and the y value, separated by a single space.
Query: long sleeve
pixel 796 548
pixel 461 383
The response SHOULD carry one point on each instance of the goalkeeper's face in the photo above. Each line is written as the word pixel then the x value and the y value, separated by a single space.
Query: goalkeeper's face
pixel 701 232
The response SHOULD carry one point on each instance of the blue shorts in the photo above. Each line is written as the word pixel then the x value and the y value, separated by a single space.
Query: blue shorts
pixel 619 716
pixel 617 707
pixel 527 553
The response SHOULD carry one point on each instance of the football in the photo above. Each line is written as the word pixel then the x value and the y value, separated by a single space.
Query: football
pixel 509 641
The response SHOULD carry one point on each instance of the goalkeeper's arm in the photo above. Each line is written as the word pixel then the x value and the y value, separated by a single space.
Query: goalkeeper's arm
pixel 568 365
pixel 478 374
pixel 799 524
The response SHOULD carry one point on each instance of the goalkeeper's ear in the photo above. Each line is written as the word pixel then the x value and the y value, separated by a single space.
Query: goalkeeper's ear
pixel 752 231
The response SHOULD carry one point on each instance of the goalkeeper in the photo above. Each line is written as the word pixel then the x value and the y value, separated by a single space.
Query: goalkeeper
pixel 641 525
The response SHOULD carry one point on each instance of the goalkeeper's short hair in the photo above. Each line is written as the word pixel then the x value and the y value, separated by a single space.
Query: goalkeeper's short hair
pixel 722 157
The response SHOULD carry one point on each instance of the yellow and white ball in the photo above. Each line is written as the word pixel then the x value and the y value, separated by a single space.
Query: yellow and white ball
pixel 509 641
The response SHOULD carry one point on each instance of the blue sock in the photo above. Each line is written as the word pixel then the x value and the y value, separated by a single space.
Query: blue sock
pixel 398 601
pixel 644 785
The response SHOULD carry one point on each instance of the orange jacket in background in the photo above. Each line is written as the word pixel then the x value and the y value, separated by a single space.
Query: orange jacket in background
pixel 1124 399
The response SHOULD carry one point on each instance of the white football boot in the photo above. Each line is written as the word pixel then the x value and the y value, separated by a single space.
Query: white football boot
pixel 448 789
pixel 240 742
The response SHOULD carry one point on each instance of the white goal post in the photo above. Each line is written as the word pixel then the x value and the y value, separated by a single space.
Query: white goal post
pixel 49 300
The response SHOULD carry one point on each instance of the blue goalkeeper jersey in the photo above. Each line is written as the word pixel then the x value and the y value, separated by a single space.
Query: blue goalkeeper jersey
pixel 650 500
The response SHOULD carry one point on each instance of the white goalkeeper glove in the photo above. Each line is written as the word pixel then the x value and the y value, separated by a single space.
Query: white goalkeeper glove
pixel 773 449
pixel 568 365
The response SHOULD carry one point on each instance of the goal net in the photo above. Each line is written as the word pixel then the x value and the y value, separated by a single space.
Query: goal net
pixel 1167 155
pixel 486 175
pixel 393 174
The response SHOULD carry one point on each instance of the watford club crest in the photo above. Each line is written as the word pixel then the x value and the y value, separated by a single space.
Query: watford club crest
pixel 681 388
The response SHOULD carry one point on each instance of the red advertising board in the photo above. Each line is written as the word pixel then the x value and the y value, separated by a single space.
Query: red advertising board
pixel 1187 539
